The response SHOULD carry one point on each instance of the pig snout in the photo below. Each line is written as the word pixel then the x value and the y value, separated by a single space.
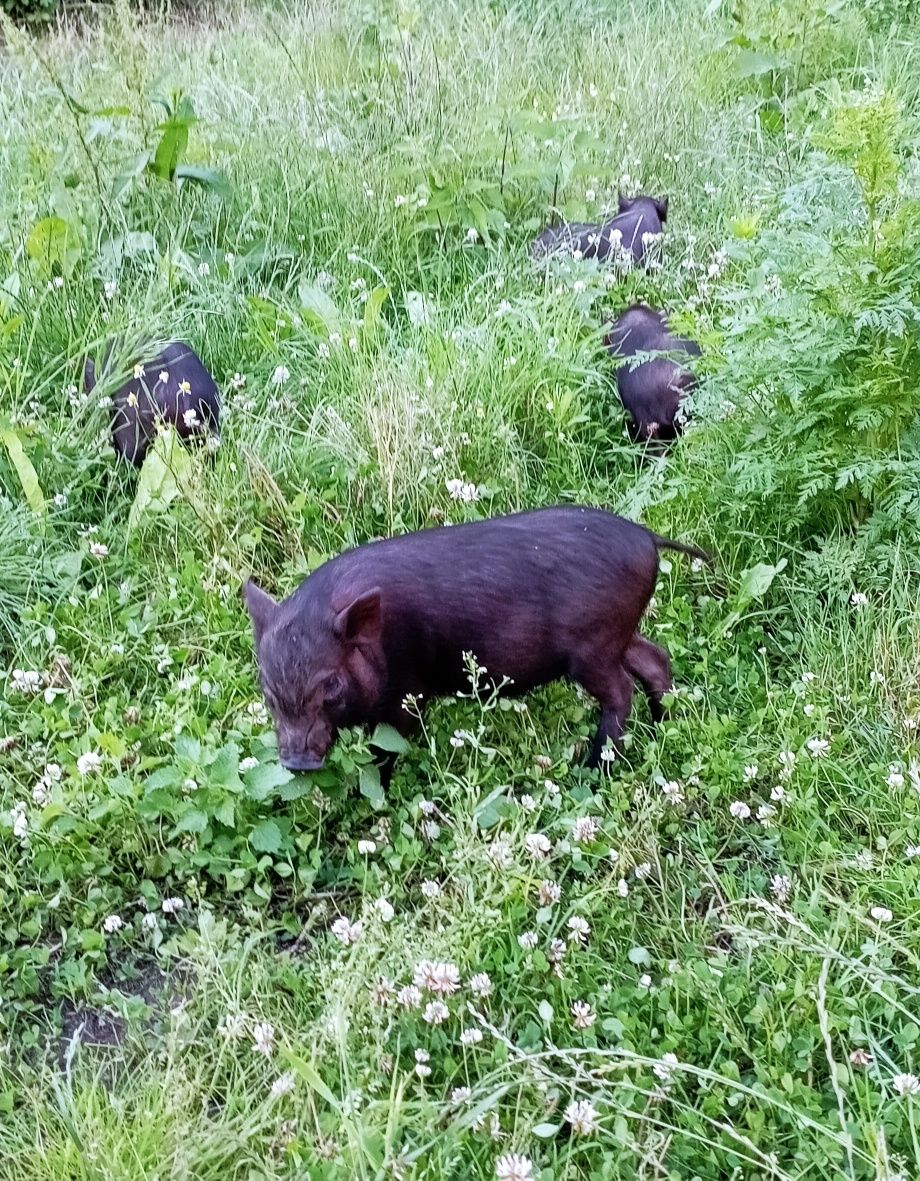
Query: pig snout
pixel 303 748
pixel 302 762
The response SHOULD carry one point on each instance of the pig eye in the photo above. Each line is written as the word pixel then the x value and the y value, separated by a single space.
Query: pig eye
pixel 334 689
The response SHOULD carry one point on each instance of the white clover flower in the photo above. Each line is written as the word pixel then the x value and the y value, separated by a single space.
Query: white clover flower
pixel 112 923
pixel 471 1037
pixel 645 981
pixel 436 1013
pixel 858 599
pixel 911 852
pixel 191 419
pixel 460 490
pixel 860 1057
pixel 430 830
pixel 232 1025
pixel 89 763
pixel 25 681
pixel 40 793
pixel 472 234
pixel 582 1115
pixel 664 1068
pixel 53 773
pixel 366 847
pixel 538 845
pixel 905 1084
pixel 514 1166
pixel 20 821
pixel 765 813
pixel 778 793
pixel 163 376
pixel 881 914
pixel 895 776
pixel 98 550
pixel 437 977
pixel 557 950
pixel 740 810
pixel 171 905
pixel 481 984
pixel 110 289
pixel 780 887
pixel 623 888
pixel 673 792
pixel 528 803
pixel 585 830
pixel 787 762
pixel 385 909
pixel 750 772
pixel 528 940
pixel 818 747
pixel 643 870
pixel 500 854
pixel 409 996
pixel 248 764
pixel 280 375
pixel 150 921
pixel 430 888
pixel 422 1069
pixel 204 268
pixel 283 1084
pixel 346 932
pixel 460 1094
pixel 263 1039
pixel 549 893
pixel 381 991
pixel 579 929
pixel 399 200
pixel 583 1016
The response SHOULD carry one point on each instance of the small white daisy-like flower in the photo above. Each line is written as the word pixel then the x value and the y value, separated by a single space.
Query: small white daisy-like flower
pixel 538 845
pixel 471 1036
pixel 263 1039
pixel 410 997
pixel 584 830
pixel 366 847
pixel 346 932
pixel 579 929
pixel 460 1094
pixel 881 914
pixel 818 747
pixel 905 1084
pixel 171 905
pixel 98 550
pixel 385 909
pixel 549 893
pixel 280 375
pixel 582 1115
pixel 163 375
pixel 112 923
pixel 583 1016
pixel 514 1166
pixel 780 887
pixel 89 763
pixel 664 1068
pixel 528 940
pixel 858 599
pixel 185 387
pixel 232 1025
pixel 430 888
pixel 436 1013
pixel 740 810
pixel 283 1084
pixel 191 419
pixel 481 984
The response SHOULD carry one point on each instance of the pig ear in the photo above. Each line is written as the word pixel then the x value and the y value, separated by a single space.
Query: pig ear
pixel 261 607
pixel 624 203
pixel 661 204
pixel 361 619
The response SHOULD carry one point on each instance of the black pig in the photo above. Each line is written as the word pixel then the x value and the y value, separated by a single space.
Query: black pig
pixel 174 387
pixel 558 592
pixel 651 391
pixel 622 234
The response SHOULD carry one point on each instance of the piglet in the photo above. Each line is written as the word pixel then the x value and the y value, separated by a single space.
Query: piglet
pixel 624 236
pixel 173 387
pixel 536 596
pixel 652 390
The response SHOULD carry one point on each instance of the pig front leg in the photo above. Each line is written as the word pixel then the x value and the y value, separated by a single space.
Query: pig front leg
pixel 403 723
pixel 613 688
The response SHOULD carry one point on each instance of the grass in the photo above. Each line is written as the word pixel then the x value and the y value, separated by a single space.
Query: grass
pixel 750 971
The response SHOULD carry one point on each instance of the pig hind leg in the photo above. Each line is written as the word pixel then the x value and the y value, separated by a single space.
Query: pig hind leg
pixel 651 667
pixel 613 688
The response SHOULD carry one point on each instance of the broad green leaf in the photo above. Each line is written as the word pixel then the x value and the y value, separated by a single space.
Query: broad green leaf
pixel 192 821
pixel 369 785
pixel 165 472
pixel 310 1075
pixel 295 790
pixel 226 813
pixel 225 770
pixel 389 739
pixel 546 1131
pixel 638 955
pixel 28 477
pixel 751 64
pixel 545 1009
pixel 373 309
pixel 208 178
pixel 318 308
pixel 266 837
pixel 54 243
pixel 262 780
pixel 757 581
